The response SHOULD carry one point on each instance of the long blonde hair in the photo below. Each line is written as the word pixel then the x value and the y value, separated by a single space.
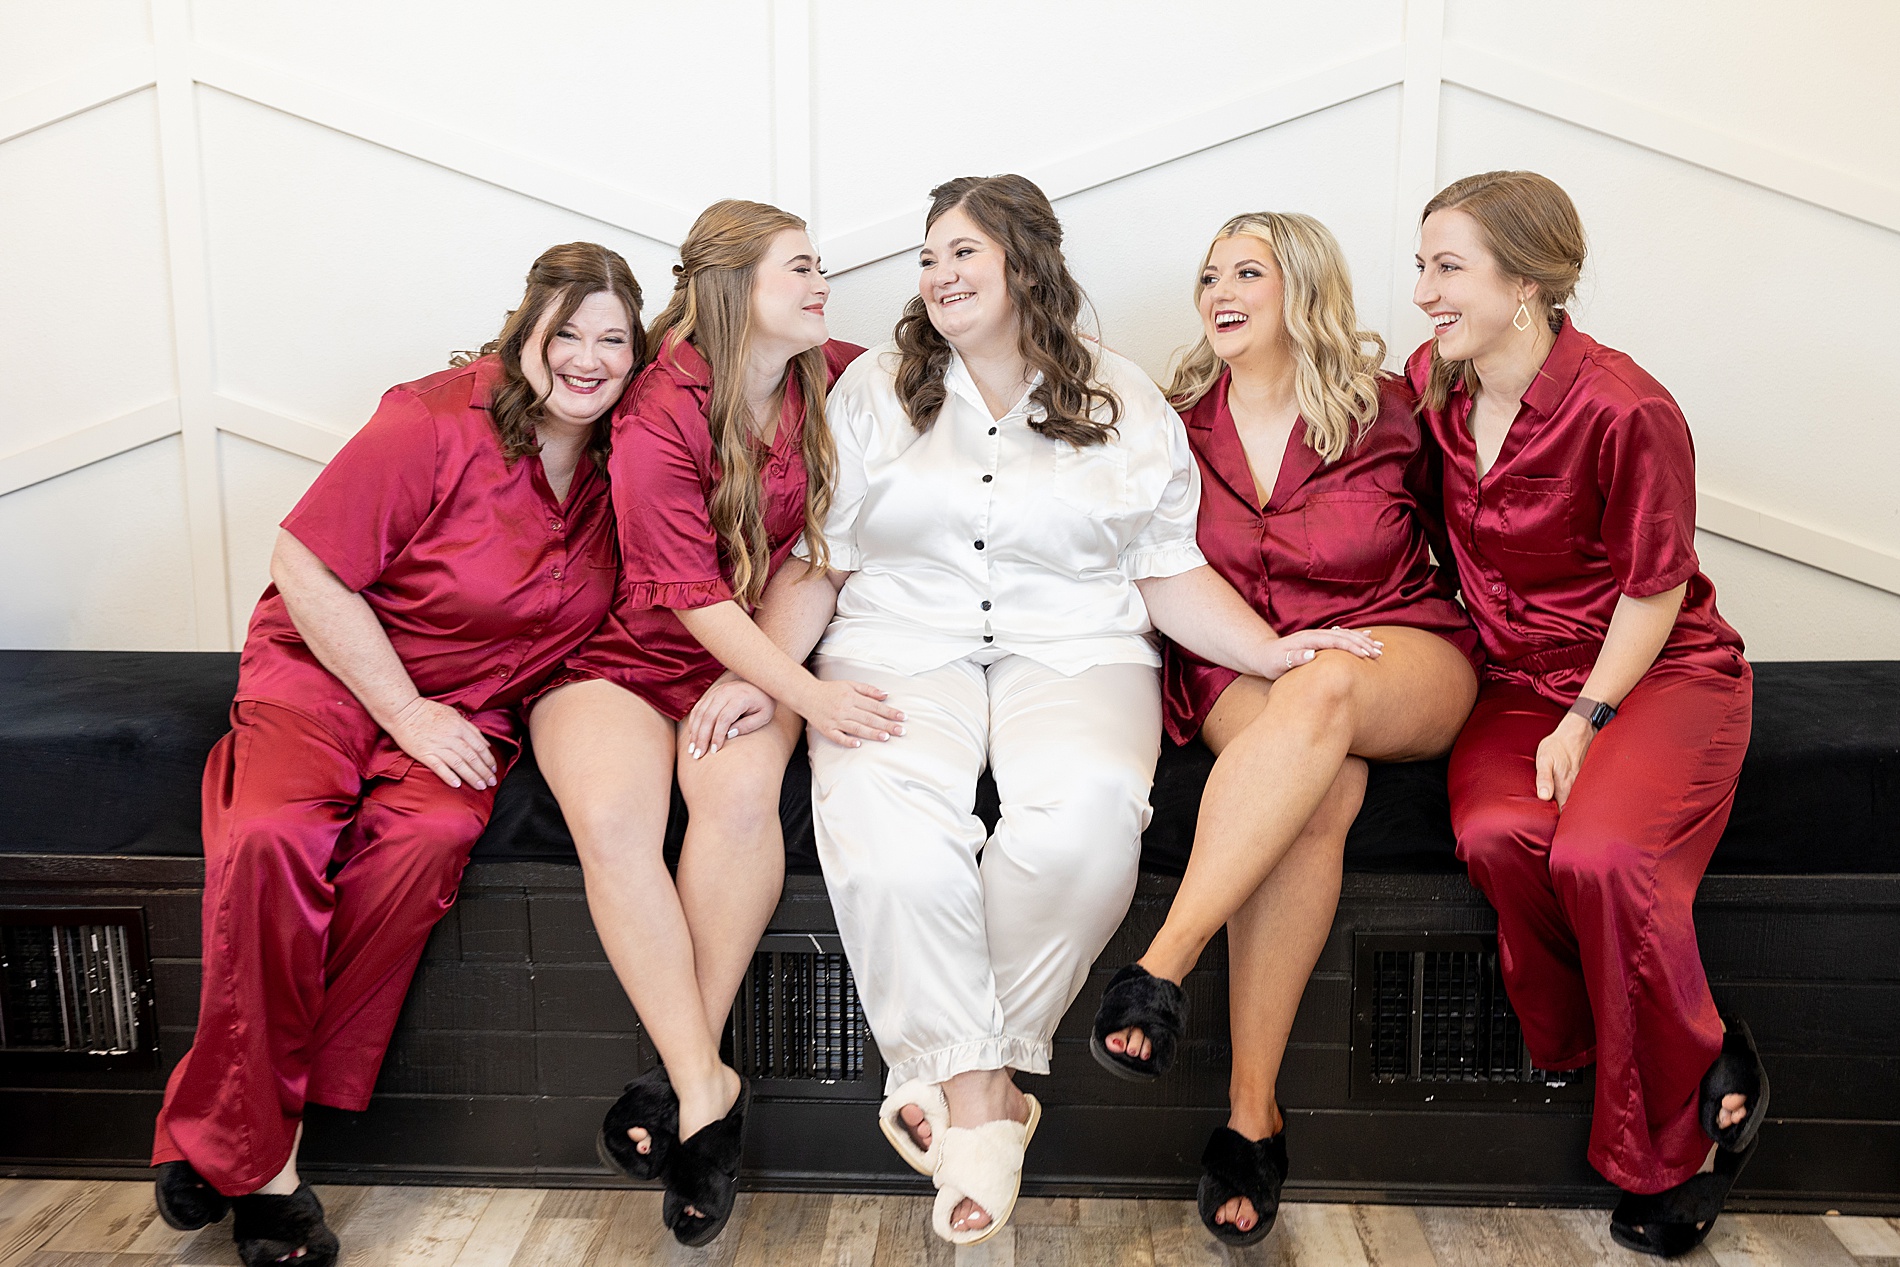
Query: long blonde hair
pixel 1532 230
pixel 1336 374
pixel 711 308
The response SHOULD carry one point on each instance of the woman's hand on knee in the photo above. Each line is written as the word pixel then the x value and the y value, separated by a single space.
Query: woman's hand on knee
pixel 1282 655
pixel 730 707
pixel 1560 758
pixel 446 742
pixel 848 713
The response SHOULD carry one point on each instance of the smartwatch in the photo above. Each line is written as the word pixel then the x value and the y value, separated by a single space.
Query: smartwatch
pixel 1597 714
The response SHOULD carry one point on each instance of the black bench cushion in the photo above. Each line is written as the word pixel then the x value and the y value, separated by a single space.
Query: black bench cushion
pixel 101 752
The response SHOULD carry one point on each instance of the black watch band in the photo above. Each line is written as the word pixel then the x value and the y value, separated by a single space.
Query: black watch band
pixel 1596 713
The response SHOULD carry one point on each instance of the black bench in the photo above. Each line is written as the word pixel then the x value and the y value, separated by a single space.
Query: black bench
pixel 1405 1079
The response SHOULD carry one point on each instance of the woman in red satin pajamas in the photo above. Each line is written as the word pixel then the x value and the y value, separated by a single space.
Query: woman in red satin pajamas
pixel 1318 505
pixel 437 571
pixel 1596 773
pixel 721 462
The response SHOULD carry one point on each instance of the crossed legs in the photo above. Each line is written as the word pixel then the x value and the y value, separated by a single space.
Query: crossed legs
pixel 679 945
pixel 1270 841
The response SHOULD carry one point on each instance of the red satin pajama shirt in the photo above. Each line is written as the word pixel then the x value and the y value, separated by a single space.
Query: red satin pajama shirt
pixel 1592 497
pixel 1342 543
pixel 330 853
pixel 664 472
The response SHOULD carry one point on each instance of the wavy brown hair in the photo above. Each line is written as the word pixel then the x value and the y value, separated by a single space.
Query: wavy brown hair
pixel 711 308
pixel 1336 364
pixel 559 282
pixel 1018 218
pixel 1532 230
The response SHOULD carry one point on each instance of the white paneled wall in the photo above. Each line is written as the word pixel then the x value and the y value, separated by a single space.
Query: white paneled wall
pixel 227 225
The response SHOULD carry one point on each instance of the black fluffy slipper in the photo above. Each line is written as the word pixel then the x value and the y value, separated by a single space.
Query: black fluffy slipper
pixel 1234 1166
pixel 185 1200
pixel 271 1230
pixel 704 1174
pixel 1737 1071
pixel 1137 999
pixel 647 1102
pixel 1670 1223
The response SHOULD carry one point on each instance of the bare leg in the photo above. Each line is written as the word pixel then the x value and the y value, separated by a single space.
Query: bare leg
pixel 286 1182
pixel 731 873
pixel 1281 747
pixel 608 756
pixel 1273 941
pixel 975 1097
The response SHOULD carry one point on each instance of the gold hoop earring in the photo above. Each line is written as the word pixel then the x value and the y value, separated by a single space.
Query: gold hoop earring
pixel 1521 319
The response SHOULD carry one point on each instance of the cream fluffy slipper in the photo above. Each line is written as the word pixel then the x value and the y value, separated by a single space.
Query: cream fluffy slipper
pixel 985 1164
pixel 927 1096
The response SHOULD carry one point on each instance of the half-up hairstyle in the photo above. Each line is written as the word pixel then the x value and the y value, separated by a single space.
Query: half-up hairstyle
pixel 559 283
pixel 1018 218
pixel 1532 230
pixel 711 308
pixel 1336 371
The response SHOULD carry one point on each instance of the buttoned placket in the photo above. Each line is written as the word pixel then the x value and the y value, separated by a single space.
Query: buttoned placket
pixel 992 459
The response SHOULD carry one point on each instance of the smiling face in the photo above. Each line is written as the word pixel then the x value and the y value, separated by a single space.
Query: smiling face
pixel 588 361
pixel 1242 299
pixel 964 284
pixel 788 297
pixel 1471 301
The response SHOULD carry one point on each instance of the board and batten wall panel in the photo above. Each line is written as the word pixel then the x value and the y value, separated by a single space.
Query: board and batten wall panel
pixel 226 226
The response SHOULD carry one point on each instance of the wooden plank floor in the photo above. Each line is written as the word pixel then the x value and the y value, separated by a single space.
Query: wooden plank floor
pixel 72 1223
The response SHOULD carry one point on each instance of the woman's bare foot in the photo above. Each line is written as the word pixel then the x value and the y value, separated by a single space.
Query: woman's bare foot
pixel 704 1099
pixel 1132 1041
pixel 976 1097
pixel 1238 1211
pixel 911 1117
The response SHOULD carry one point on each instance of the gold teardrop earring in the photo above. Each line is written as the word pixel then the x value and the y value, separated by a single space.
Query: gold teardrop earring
pixel 1521 319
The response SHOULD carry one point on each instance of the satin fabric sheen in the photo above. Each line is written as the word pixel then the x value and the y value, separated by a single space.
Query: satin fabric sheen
pixel 664 472
pixel 965 964
pixel 1342 543
pixel 982 533
pixel 330 853
pixel 482 579
pixel 1593 496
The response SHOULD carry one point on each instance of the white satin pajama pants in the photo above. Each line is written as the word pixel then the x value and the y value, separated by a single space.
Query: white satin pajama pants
pixel 962 964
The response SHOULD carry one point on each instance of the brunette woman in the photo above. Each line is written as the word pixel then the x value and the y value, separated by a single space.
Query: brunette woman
pixel 441 566
pixel 1014 503
pixel 1318 505
pixel 1596 773
pixel 721 460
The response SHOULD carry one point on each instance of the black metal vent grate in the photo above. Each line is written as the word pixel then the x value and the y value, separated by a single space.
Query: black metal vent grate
pixel 74 983
pixel 798 1018
pixel 1431 1018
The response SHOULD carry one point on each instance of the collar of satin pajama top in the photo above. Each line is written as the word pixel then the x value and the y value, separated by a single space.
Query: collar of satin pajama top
pixel 981 534
pixel 1227 457
pixel 687 369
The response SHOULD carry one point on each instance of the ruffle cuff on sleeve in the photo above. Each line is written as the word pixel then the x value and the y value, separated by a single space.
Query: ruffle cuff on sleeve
pixel 1140 565
pixel 675 595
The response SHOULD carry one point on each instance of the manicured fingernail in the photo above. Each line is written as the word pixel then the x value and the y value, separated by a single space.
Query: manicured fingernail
pixel 1309 655
pixel 733 733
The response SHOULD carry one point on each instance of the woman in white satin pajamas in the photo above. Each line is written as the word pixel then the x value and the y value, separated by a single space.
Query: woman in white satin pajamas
pixel 1014 512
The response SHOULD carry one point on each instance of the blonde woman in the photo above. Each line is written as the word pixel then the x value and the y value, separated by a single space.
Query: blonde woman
pixel 732 403
pixel 1318 507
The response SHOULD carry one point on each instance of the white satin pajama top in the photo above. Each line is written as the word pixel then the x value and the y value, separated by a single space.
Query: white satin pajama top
pixel 982 534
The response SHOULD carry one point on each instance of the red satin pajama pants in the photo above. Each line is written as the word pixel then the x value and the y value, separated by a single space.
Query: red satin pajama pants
pixel 329 855
pixel 1596 934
